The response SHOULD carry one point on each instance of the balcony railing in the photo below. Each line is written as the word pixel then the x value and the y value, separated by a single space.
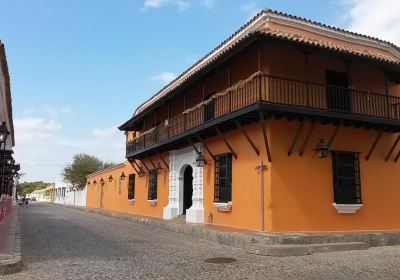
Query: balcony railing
pixel 261 88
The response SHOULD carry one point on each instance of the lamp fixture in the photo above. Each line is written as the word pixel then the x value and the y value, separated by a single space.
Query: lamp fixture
pixel 321 150
pixel 102 181
pixel 158 168
pixel 122 177
pixel 110 179
pixel 200 160
pixel 4 132
pixel 141 172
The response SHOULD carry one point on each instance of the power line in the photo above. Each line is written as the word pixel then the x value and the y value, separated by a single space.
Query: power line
pixel 43 164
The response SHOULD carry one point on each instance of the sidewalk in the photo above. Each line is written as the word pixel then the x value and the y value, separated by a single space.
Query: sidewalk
pixel 10 242
pixel 270 244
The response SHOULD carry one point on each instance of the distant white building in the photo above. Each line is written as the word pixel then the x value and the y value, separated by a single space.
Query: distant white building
pixel 66 195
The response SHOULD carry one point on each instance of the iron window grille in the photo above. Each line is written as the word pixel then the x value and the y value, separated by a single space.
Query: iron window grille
pixel 346 178
pixel 152 195
pixel 131 186
pixel 223 178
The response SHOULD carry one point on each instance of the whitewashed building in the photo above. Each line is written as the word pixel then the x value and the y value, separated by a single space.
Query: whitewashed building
pixel 66 195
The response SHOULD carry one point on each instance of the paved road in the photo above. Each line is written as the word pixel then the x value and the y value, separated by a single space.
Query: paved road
pixel 63 243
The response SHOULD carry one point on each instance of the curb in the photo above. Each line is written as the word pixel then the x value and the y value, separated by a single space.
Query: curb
pixel 278 245
pixel 12 263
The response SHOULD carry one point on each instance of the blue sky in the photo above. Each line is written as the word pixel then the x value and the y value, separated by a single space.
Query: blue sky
pixel 79 68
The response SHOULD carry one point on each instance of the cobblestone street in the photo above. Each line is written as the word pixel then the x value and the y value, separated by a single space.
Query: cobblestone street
pixel 63 243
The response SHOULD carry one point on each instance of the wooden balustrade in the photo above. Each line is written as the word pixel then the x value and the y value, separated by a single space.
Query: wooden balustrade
pixel 274 90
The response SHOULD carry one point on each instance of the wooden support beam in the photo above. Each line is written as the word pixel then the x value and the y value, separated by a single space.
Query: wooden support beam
pixel 137 172
pixel 393 147
pixel 310 131
pixel 335 132
pixel 264 129
pixel 163 161
pixel 296 136
pixel 152 163
pixel 194 146
pixel 148 170
pixel 247 137
pixel 225 141
pixel 397 156
pixel 206 147
pixel 378 137
pixel 137 165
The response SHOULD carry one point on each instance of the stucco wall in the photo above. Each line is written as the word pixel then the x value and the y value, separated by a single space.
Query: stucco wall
pixel 302 187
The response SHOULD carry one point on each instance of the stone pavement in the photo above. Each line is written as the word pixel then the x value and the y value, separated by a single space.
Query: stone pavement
pixel 62 243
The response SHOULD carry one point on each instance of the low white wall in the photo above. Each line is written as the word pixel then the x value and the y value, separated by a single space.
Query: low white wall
pixel 73 198
pixel 76 198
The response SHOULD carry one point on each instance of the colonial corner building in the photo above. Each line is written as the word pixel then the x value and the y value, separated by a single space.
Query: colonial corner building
pixel 287 125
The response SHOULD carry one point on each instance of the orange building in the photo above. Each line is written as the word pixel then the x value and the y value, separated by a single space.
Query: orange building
pixel 288 125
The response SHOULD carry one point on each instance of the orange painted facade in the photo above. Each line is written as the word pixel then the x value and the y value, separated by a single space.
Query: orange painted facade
pixel 298 189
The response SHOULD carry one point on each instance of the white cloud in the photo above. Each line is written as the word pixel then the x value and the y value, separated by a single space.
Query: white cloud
pixel 29 129
pixel 105 132
pixel 181 4
pixel 164 77
pixel 43 147
pixel 53 112
pixel 376 18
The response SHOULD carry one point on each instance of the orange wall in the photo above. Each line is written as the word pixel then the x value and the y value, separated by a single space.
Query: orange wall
pixel 115 194
pixel 245 181
pixel 302 190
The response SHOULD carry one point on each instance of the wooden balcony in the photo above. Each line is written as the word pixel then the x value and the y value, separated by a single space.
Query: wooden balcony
pixel 274 96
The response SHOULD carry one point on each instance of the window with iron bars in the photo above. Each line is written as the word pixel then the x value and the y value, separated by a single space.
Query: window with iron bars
pixel 223 178
pixel 152 195
pixel 131 186
pixel 346 178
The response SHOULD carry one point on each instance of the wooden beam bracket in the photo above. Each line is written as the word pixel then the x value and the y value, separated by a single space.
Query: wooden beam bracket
pixel 334 134
pixel 194 146
pixel 137 172
pixel 393 147
pixel 163 161
pixel 256 150
pixel 226 142
pixel 206 147
pixel 371 150
pixel 264 129
pixel 310 131
pixel 296 136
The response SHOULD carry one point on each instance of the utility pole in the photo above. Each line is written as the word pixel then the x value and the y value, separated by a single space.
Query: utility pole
pixel 261 168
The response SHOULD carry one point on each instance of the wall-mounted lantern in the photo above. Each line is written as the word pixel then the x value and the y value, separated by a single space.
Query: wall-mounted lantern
pixel 94 183
pixel 321 150
pixel 122 177
pixel 88 183
pixel 3 132
pixel 110 179
pixel 200 160
pixel 141 172
pixel 158 168
pixel 102 181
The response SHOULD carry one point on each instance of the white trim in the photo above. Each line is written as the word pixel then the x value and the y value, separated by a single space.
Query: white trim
pixel 153 202
pixel 178 162
pixel 223 206
pixel 132 201
pixel 347 208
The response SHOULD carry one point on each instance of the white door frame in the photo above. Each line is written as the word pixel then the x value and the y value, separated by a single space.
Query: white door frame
pixel 179 160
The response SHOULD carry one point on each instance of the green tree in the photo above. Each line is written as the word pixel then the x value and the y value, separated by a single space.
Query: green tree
pixel 81 166
pixel 28 187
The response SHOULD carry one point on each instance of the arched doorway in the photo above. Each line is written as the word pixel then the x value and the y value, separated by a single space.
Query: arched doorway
pixel 187 188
